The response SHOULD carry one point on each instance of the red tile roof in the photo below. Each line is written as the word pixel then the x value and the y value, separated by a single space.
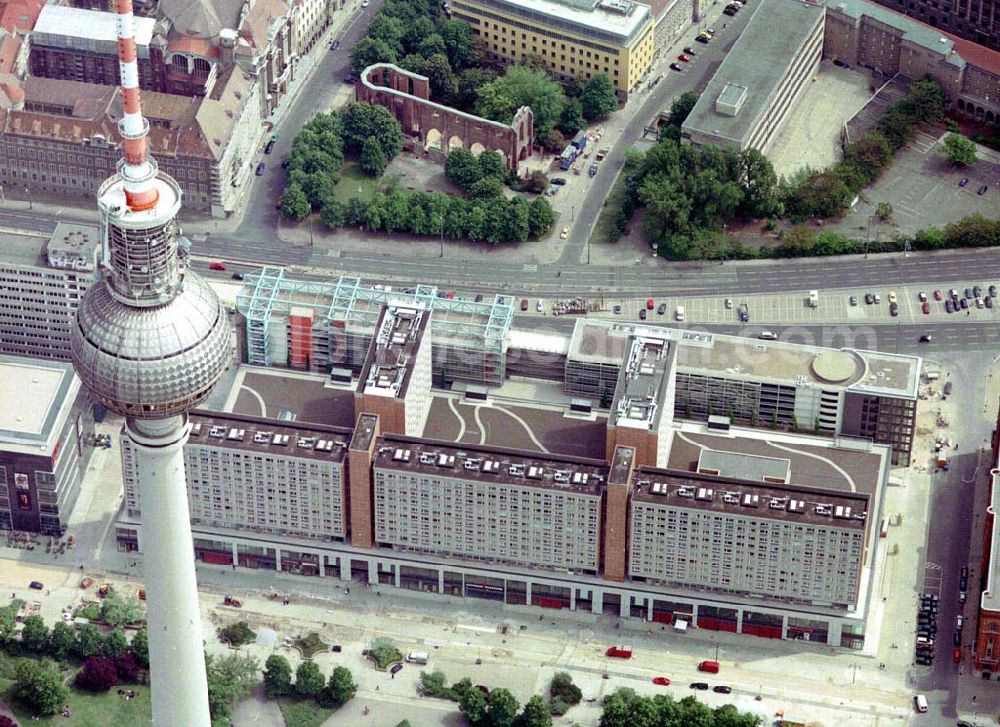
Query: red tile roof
pixel 10 45
pixel 975 54
pixel 19 15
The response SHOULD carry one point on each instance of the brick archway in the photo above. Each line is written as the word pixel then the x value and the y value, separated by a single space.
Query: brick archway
pixel 441 127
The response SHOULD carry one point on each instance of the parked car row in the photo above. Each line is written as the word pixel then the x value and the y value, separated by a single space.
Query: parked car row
pixel 974 296
pixel 926 629
pixel 981 190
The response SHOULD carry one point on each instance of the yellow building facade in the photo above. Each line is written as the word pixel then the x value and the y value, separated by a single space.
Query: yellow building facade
pixel 575 39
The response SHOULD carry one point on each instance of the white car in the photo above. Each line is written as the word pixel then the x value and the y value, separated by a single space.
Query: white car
pixel 729 303
pixel 768 336
pixel 540 306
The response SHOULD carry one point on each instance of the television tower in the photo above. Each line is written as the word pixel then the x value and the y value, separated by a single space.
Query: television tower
pixel 150 341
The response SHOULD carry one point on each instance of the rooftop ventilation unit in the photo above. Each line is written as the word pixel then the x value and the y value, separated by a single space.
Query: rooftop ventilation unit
pixel 445 460
pixel 491 466
pixel 580 478
pixel 796 506
pixel 280 439
pixel 704 493
pixel 685 492
pixel 842 512
pixel 472 464
pixel 750 500
pixel 516 470
pixel 535 472
pixel 236 434
pixel 305 442
pixel 401 455
pixel 733 498
pixel 262 437
pixel 777 503
pixel 427 458
pixel 824 509
pixel 219 432
pixel 561 476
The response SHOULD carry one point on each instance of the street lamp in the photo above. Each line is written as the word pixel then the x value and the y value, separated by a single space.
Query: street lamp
pixel 26 194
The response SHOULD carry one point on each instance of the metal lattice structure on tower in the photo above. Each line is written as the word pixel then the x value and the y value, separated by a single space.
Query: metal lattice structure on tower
pixel 151 340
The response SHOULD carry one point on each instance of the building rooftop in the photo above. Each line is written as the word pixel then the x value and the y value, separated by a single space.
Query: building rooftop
pixel 990 599
pixel 759 61
pixel 262 392
pixel 643 381
pixel 73 246
pixel 491 464
pixel 61 26
pixel 393 351
pixel 837 465
pixel 698 491
pixel 618 21
pixel 793 364
pixel 22 250
pixel 32 394
pixel 256 434
pixel 750 467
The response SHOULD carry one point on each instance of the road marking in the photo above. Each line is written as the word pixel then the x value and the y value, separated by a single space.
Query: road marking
pixel 530 269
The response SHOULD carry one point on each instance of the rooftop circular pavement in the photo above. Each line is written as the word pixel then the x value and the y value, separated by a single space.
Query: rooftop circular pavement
pixel 834 366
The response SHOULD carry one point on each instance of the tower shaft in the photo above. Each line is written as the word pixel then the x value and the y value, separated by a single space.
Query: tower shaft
pixel 176 656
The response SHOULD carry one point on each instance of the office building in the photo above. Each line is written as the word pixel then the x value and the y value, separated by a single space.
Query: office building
pixel 46 441
pixel 764 383
pixel 41 284
pixel 575 40
pixel 761 78
pixel 258 475
pixel 866 34
pixel 395 381
pixel 487 504
pixel 642 409
pixel 335 322
pixel 982 586
pixel 974 20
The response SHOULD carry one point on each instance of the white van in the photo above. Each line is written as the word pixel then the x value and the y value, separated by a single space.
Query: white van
pixel 417 657
pixel 920 702
pixel 679 314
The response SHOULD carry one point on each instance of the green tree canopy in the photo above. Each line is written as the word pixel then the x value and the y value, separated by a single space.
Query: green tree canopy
pixel 229 680
pixel 468 85
pixel 598 97
pixel 571 119
pixel 38 687
pixel 369 51
pixel 562 687
pixel 536 713
pixel 372 161
pixel 35 634
pixel 389 30
pixel 362 120
pixel 88 641
pixel 62 640
pixel 457 40
pixel 118 609
pixel 472 704
pixel 277 676
pixel 140 647
pixel 462 168
pixel 417 31
pixel 115 643
pixel 522 86
pixel 340 689
pixel 501 708
pixel 308 679
pixel 959 150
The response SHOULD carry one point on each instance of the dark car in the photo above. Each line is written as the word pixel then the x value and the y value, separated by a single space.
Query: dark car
pixel 744 313
pixel 893 309
pixel 977 292
pixel 730 11
pixel 558 180
pixel 702 39
pixel 992 291
pixel 869 298
pixel 989 302
pixel 268 147
pixel 963 577
pixel 661 309
pixel 841 64
pixel 964 303
pixel 982 190
pixel 949 306
pixel 642 314
pixel 689 50
pixel 237 276
pixel 699 685
pixel 677 67
pixel 968 293
pixel 963 181
pixel 335 45
pixel 957 640
pixel 618 310
pixel 395 668
pixel 722 689
pixel 36 585
pixel 285 163
pixel 260 170
pixel 479 298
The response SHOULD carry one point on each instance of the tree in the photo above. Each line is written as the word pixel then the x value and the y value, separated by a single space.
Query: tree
pixel 115 643
pixel 457 38
pixel 553 141
pixel 88 641
pixel 959 150
pixel 383 650
pixel 416 31
pixel 8 623
pixel 571 119
pixel 759 184
pixel 598 97
pixel 388 30
pixel 333 214
pixel 973 231
pixel 294 203
pixel 536 713
pixel 98 674
pixel 38 687
pixel 492 164
pixel 370 51
pixel 522 86
pixel 442 80
pixel 468 85
pixel 502 708
pixel 373 161
pixel 924 101
pixel 540 217
pixel 486 188
pixel 472 704
pixel 127 668
pixel 538 182
pixel 884 212
pixel 35 634
pixel 140 647
pixel 681 108
pixel 462 168
pixel 362 120
pixel 62 640
pixel 229 679
pixel 308 679
pixel 237 634
pixel 562 687
pixel 339 690
pixel 277 676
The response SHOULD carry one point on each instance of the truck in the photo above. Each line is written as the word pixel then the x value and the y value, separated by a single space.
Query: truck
pixel 568 156
pixel 744 312
pixel 417 657
pixel 619 652
pixel 580 141
pixel 813 298
pixel 709 665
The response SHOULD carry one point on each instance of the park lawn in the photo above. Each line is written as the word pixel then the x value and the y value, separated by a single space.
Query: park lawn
pixel 605 225
pixel 92 710
pixel 355 183
pixel 303 712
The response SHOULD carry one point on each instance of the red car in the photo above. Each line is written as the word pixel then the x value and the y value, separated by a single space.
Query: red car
pixel 683 57
pixel 937 295
pixel 650 304
pixel 927 308
pixel 956 655
pixel 216 266
pixel 661 681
